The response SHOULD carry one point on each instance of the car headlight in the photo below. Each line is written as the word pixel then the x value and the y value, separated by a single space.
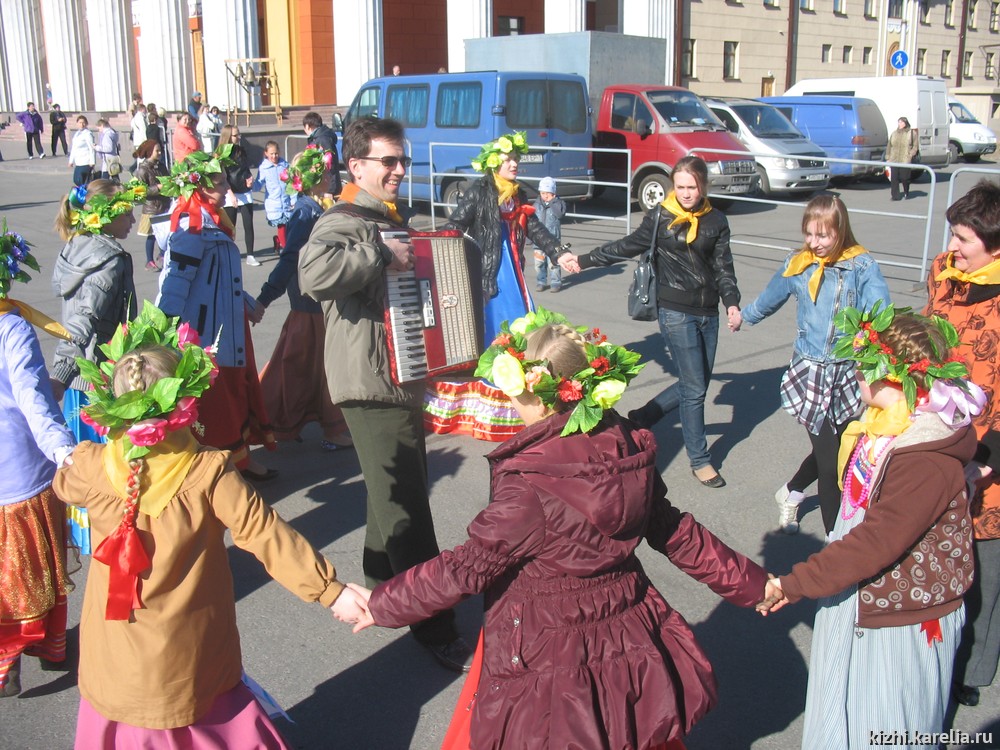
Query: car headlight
pixel 979 137
pixel 714 167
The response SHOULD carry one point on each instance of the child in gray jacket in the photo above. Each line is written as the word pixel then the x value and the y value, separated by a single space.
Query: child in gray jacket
pixel 549 208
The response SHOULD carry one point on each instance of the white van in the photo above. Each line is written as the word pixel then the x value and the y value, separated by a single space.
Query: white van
pixel 787 161
pixel 968 138
pixel 921 99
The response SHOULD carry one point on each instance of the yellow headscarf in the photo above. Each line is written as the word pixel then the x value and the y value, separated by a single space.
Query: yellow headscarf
pixel 167 466
pixel 684 216
pixel 874 423
pixel 506 188
pixel 805 258
pixel 988 274
pixel 35 317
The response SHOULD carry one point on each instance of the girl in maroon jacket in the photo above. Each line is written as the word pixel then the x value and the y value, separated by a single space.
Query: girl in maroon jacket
pixel 891 581
pixel 578 648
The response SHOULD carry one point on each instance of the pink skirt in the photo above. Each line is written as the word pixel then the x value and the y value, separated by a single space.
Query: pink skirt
pixel 235 720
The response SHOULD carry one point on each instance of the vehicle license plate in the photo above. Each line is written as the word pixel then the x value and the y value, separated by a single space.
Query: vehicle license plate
pixel 816 176
pixel 531 159
pixel 739 188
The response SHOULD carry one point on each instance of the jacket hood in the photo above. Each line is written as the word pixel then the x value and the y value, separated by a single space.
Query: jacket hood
pixel 928 432
pixel 78 259
pixel 607 475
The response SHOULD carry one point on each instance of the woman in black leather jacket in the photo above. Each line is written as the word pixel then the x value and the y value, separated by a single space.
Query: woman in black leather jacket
pixel 694 269
pixel 239 199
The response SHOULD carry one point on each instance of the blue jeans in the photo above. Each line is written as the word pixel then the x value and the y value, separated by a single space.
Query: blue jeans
pixel 690 342
pixel 547 273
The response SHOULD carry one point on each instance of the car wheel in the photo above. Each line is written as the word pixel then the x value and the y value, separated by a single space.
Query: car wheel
pixel 653 190
pixel 954 152
pixel 453 193
pixel 972 158
pixel 764 188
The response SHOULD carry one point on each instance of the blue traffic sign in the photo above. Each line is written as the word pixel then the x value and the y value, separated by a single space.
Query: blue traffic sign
pixel 899 59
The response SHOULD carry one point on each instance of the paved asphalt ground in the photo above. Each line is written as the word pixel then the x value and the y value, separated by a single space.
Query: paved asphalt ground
pixel 379 689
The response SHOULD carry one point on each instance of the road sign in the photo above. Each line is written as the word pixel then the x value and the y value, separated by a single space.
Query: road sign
pixel 899 59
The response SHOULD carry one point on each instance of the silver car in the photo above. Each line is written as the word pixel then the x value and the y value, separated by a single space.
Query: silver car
pixel 787 161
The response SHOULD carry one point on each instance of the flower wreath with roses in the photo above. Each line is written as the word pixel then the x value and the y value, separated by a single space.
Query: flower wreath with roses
pixel 15 252
pixel 489 157
pixel 589 392
pixel 195 171
pixel 143 418
pixel 862 342
pixel 307 170
pixel 93 213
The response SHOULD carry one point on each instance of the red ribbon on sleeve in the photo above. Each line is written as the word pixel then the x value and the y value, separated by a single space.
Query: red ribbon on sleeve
pixel 932 628
pixel 126 558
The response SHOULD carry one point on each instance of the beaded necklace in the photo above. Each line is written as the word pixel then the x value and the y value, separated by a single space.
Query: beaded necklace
pixel 857 483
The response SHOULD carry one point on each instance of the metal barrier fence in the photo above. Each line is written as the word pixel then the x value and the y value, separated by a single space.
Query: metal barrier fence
pixel 924 217
pixel 626 218
pixel 995 172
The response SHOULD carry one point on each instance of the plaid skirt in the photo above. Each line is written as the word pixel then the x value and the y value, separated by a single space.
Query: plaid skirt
pixel 817 392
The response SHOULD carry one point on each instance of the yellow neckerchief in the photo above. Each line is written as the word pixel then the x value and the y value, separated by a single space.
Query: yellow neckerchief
pixel 685 216
pixel 875 423
pixel 351 192
pixel 167 466
pixel 325 203
pixel 505 188
pixel 988 274
pixel 805 258
pixel 35 317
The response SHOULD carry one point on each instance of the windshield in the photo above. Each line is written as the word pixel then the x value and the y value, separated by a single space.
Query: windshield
pixel 960 113
pixel 765 121
pixel 682 108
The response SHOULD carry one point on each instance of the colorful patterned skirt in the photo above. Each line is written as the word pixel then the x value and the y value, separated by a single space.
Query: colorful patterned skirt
pixel 33 580
pixel 469 406
pixel 294 380
pixel 77 520
pixel 232 411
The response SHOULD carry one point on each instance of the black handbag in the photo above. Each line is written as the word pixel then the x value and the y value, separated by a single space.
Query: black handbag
pixel 642 292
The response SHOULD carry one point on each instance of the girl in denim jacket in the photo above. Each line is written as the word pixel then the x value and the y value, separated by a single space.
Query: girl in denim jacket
pixel 829 273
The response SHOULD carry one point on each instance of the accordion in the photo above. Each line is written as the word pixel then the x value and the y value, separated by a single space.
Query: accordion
pixel 434 313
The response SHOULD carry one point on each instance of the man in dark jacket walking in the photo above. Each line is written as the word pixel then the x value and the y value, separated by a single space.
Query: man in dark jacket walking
pixel 57 119
pixel 33 126
pixel 326 138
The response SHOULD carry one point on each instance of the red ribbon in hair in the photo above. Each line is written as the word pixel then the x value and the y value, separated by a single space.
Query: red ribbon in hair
pixel 193 205
pixel 126 558
pixel 932 628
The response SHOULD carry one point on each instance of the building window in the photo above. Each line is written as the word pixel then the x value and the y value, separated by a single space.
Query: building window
pixel 921 62
pixel 895 8
pixel 945 63
pixel 771 4
pixel 825 54
pixel 848 56
pixel 967 66
pixel 687 58
pixel 995 16
pixel 730 61
pixel 866 56
pixel 972 14
pixel 991 62
pixel 925 12
pixel 510 25
pixel 869 8
pixel 806 5
pixel 949 13
pixel 840 7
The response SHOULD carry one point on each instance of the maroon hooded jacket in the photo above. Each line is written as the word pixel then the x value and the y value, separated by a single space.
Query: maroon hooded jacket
pixel 580 649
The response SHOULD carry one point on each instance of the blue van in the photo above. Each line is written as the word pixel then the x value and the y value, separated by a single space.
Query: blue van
pixel 843 126
pixel 475 108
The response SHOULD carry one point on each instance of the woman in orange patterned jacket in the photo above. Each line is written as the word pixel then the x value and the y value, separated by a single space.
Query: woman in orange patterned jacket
pixel 964 288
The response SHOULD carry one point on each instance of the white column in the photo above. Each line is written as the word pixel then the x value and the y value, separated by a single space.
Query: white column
pixel 467 19
pixel 112 56
pixel 62 28
pixel 653 18
pixel 357 44
pixel 21 26
pixel 230 33
pixel 165 53
pixel 562 16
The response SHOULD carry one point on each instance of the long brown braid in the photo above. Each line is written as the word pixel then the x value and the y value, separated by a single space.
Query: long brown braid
pixel 563 347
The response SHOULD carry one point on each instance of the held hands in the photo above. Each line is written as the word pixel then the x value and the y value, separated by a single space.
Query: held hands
pixel 568 262
pixel 774 598
pixel 255 312
pixel 735 318
pixel 352 607
pixel 402 253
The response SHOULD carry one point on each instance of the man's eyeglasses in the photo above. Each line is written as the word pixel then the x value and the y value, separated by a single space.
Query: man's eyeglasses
pixel 389 162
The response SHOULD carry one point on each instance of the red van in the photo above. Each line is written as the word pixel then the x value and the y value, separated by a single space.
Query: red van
pixel 660 125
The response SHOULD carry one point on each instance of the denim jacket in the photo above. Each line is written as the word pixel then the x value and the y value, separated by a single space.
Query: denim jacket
pixel 856 282
pixel 277 203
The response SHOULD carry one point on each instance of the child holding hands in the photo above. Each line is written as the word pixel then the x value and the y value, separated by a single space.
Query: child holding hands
pixel 160 662
pixel 828 274
pixel 578 648
pixel 891 582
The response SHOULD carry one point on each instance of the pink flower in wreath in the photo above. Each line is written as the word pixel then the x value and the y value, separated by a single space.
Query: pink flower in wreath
pixel 328 159
pixel 283 176
pixel 534 376
pixel 147 432
pixel 184 414
pixel 187 335
pixel 88 420
pixel 297 182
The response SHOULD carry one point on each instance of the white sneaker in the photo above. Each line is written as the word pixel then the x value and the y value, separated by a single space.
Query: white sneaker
pixel 252 261
pixel 788 503
pixel 31 157
pixel 42 156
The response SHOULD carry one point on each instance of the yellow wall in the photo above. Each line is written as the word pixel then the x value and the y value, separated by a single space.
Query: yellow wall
pixel 279 25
